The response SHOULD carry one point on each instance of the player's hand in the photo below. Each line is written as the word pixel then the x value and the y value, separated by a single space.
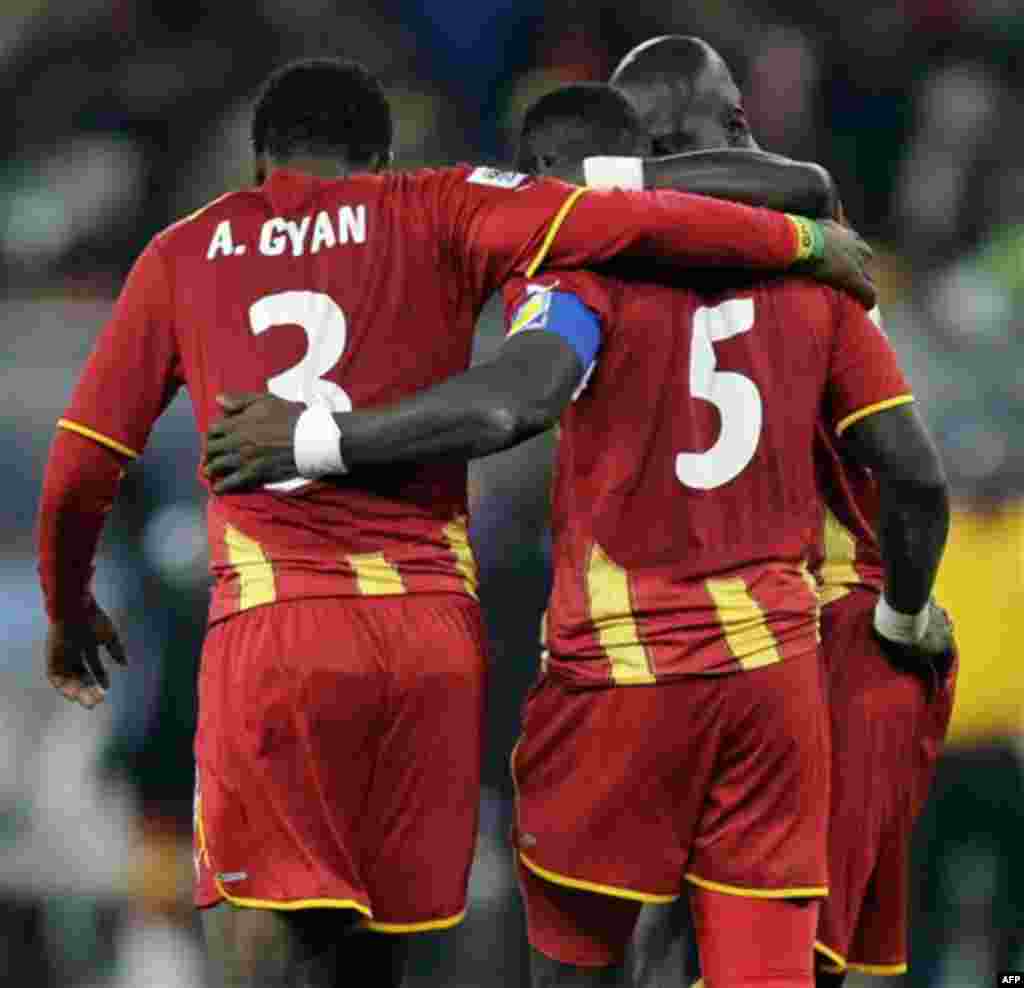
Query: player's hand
pixel 845 263
pixel 73 664
pixel 931 658
pixel 253 443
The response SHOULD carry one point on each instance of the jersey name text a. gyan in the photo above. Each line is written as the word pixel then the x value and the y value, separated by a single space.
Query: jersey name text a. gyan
pixel 310 234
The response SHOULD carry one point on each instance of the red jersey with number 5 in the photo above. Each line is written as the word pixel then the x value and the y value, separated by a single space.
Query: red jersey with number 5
pixel 685 501
pixel 355 292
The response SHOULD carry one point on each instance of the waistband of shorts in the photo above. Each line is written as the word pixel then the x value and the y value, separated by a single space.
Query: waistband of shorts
pixel 217 615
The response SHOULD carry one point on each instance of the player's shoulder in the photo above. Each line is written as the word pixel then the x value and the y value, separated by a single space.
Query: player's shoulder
pixel 799 300
pixel 579 281
pixel 229 204
pixel 224 204
pixel 597 290
pixel 479 178
pixel 416 181
pixel 849 315
pixel 843 304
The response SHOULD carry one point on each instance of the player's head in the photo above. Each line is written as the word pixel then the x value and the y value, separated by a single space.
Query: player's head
pixel 329 109
pixel 685 95
pixel 571 123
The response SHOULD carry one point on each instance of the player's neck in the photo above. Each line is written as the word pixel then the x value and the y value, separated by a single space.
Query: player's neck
pixel 318 166
pixel 567 171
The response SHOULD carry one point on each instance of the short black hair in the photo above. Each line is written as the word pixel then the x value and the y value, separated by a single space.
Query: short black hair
pixel 322 106
pixel 575 121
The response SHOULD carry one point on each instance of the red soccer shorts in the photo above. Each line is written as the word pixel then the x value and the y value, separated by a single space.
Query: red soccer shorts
pixel 886 738
pixel 338 758
pixel 743 941
pixel 723 780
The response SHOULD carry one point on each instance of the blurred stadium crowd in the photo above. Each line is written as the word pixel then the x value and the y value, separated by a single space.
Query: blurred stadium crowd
pixel 118 116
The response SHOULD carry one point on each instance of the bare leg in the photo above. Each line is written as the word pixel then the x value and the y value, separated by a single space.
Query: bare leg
pixel 662 953
pixel 384 954
pixel 823 979
pixel 263 948
pixel 588 927
pixel 547 973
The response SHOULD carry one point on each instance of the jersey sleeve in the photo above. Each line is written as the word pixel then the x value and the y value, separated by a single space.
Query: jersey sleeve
pixel 589 289
pixel 575 306
pixel 134 369
pixel 686 230
pixel 500 224
pixel 864 374
pixel 494 223
pixel 79 485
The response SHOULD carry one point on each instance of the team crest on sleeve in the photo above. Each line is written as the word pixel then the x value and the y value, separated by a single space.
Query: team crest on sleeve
pixel 533 312
pixel 497 178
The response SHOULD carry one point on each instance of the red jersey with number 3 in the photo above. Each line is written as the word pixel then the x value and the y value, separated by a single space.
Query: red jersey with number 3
pixel 354 292
pixel 686 499
pixel 357 291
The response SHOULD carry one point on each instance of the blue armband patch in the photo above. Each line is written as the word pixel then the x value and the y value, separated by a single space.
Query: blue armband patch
pixel 561 313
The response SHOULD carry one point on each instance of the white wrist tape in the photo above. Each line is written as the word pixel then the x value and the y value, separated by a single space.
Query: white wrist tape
pixel 897 626
pixel 607 172
pixel 317 444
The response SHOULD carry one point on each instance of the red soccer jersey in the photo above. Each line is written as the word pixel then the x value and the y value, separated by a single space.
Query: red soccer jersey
pixel 356 292
pixel 685 500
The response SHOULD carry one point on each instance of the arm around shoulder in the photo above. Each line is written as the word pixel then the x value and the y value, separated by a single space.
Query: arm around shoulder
pixel 490 407
pixel 753 177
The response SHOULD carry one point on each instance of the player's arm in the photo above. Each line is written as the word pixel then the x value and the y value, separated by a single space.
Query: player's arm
pixel 879 428
pixel 913 500
pixel 697 231
pixel 746 175
pixel 490 407
pixel 128 380
pixel 913 523
pixel 555 225
pixel 80 484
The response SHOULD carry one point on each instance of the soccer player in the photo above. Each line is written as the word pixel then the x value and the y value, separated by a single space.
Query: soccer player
pixel 889 712
pixel 343 671
pixel 678 735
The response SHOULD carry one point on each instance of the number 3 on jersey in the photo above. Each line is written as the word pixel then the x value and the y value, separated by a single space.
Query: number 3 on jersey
pixel 736 397
pixel 325 326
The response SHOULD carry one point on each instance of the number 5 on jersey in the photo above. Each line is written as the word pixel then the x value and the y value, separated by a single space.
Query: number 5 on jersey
pixel 735 396
pixel 325 326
